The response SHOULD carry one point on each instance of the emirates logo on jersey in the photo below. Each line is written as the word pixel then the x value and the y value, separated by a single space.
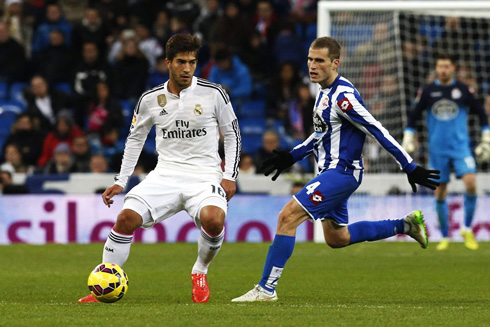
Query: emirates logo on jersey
pixel 345 105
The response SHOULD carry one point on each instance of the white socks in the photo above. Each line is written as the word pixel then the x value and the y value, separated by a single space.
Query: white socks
pixel 116 248
pixel 208 248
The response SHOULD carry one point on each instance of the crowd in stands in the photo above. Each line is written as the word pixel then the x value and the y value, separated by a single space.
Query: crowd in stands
pixel 71 72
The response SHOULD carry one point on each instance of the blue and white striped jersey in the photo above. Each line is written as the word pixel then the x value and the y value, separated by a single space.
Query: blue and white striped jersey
pixel 341 123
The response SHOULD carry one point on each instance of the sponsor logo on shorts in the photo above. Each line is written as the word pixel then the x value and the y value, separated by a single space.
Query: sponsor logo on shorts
pixel 316 198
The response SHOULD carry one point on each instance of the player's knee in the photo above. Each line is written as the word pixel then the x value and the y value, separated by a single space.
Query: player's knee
pixel 212 219
pixel 127 222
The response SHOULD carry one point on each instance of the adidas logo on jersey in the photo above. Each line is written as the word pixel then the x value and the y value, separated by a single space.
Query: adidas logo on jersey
pixel 163 112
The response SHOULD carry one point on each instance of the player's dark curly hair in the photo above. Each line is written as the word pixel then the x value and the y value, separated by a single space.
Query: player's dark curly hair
pixel 330 43
pixel 182 43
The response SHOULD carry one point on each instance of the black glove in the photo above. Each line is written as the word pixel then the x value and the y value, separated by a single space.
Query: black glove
pixel 280 160
pixel 423 177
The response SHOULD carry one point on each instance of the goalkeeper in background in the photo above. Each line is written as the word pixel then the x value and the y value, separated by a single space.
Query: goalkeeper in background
pixel 447 103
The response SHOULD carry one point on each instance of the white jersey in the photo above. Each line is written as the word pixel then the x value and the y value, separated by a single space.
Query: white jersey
pixel 187 130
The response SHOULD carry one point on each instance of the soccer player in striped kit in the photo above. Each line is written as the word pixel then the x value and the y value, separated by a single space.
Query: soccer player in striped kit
pixel 188 114
pixel 341 123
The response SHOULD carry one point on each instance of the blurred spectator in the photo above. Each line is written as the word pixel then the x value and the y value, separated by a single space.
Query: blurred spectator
pixel 8 187
pixel 14 163
pixel 110 145
pixel 81 154
pixel 111 10
pixel 282 91
pixel 270 142
pixel 266 22
pixel 178 25
pixel 74 10
pixel 98 164
pixel 130 71
pixel 247 8
pixel 87 74
pixel 247 165
pixel 159 74
pixel 64 132
pixel 465 74
pixel 234 29
pixel 148 44
pixel 256 57
pixel 54 21
pixel 233 75
pixel 103 109
pixel 55 62
pixel 161 27
pixel 91 29
pixel 62 161
pixel 415 65
pixel 206 24
pixel 296 187
pixel 19 26
pixel 299 122
pixel 303 11
pixel 455 38
pixel 43 104
pixel 28 139
pixel 12 57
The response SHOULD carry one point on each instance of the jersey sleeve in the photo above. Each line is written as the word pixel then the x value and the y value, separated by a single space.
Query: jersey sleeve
pixel 350 107
pixel 228 125
pixel 304 149
pixel 476 108
pixel 138 132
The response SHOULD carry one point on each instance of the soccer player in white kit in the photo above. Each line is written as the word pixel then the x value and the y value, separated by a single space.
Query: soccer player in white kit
pixel 188 114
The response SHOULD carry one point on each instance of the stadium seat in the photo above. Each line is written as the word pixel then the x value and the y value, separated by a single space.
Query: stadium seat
pixel 251 143
pixel 13 106
pixel 63 87
pixel 252 126
pixel 8 115
pixel 3 91
pixel 252 109
pixel 16 92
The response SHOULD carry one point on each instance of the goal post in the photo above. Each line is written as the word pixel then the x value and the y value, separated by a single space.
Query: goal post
pixel 388 50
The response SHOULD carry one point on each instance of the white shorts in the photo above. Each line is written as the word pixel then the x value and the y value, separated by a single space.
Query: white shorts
pixel 163 195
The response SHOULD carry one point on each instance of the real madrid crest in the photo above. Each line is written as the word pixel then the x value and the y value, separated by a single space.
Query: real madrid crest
pixel 198 110
pixel 162 100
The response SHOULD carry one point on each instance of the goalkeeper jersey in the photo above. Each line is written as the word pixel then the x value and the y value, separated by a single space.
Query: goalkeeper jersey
pixel 187 129
pixel 447 109
pixel 341 123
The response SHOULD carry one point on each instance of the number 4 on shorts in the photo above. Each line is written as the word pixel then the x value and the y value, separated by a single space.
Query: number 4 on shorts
pixel 311 188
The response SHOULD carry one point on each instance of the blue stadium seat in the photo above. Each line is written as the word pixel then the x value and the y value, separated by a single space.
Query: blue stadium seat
pixel 12 106
pixel 8 114
pixel 252 109
pixel 3 91
pixel 252 126
pixel 63 87
pixel 15 92
pixel 251 143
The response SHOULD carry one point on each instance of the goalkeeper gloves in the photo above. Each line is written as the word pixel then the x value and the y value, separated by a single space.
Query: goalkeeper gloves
pixel 482 151
pixel 408 142
pixel 423 177
pixel 280 161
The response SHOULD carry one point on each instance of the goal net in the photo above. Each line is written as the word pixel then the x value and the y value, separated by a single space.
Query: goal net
pixel 388 53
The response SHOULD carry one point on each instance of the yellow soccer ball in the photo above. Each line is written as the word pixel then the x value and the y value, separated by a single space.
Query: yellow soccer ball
pixel 108 282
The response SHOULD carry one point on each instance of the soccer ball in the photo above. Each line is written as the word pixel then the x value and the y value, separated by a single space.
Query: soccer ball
pixel 108 282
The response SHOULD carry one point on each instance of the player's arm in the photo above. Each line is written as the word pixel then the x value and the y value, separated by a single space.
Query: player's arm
pixel 140 127
pixel 408 142
pixel 352 109
pixel 228 125
pixel 282 160
pixel 482 150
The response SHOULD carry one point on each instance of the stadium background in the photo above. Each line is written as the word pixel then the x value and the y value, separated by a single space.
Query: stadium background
pixel 388 55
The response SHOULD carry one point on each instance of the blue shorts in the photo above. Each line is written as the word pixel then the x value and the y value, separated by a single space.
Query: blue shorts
pixel 326 195
pixel 444 163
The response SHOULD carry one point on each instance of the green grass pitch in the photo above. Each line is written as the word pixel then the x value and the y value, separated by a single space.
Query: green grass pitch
pixel 369 284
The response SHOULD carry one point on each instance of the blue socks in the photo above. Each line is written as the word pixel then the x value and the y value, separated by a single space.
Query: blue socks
pixel 442 215
pixel 279 253
pixel 375 230
pixel 469 208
